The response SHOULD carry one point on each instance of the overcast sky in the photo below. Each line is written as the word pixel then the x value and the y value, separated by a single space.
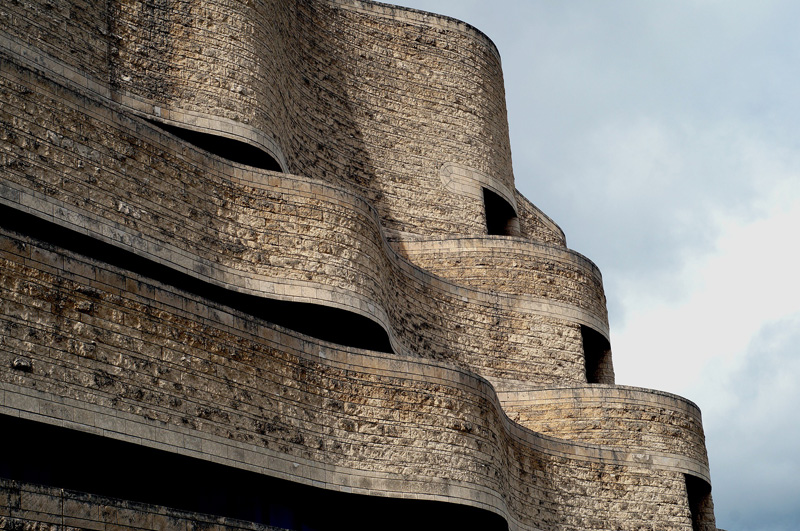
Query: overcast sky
pixel 664 138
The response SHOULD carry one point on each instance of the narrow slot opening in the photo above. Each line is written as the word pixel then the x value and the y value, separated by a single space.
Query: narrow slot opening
pixel 700 505
pixel 501 219
pixel 597 357
pixel 227 148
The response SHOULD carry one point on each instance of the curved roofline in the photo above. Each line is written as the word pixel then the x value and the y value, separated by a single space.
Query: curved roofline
pixel 419 16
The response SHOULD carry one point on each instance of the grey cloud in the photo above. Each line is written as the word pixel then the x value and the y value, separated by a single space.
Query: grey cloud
pixel 755 433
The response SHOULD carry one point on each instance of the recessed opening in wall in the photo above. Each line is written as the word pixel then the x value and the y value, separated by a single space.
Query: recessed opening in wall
pixel 700 504
pixel 501 219
pixel 227 148
pixel 597 356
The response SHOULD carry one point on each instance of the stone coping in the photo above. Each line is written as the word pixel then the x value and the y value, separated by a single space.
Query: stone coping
pixel 600 391
pixel 414 244
pixel 73 414
pixel 543 218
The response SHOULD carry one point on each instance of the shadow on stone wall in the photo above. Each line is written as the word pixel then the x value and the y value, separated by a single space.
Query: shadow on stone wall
pixel 322 322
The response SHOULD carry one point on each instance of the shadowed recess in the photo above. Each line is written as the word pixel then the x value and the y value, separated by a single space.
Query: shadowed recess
pixel 700 504
pixel 227 148
pixel 501 219
pixel 322 322
pixel 69 459
pixel 597 357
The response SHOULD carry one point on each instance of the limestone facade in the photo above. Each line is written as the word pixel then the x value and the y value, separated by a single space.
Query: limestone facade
pixel 278 241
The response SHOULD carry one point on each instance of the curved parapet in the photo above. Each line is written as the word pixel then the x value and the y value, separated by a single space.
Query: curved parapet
pixel 524 271
pixel 282 238
pixel 513 266
pixel 624 417
pixel 362 94
pixel 537 226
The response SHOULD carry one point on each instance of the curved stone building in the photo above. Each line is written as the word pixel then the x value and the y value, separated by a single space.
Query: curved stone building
pixel 264 267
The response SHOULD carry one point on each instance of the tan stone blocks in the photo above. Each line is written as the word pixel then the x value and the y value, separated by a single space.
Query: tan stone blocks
pixel 378 417
pixel 629 418
pixel 514 266
pixel 356 279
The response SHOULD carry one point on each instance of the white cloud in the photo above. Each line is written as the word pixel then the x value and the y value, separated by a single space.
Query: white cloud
pixel 750 279
pixel 732 346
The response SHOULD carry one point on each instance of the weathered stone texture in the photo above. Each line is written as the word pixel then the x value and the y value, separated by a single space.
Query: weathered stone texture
pixel 27 507
pixel 376 102
pixel 271 234
pixel 107 338
pixel 536 225
pixel 512 266
pixel 390 126
pixel 75 31
pixel 624 417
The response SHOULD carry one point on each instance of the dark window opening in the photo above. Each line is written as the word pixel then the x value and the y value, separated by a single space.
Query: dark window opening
pixel 501 219
pixel 322 322
pixel 227 148
pixel 700 505
pixel 57 457
pixel 597 357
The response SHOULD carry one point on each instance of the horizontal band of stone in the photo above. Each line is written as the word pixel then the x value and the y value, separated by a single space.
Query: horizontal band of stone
pixel 408 14
pixel 417 375
pixel 413 245
pixel 277 287
pixel 301 409
pixel 513 266
pixel 539 226
pixel 627 417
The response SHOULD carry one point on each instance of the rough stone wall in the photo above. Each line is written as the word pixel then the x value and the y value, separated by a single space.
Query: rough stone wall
pixel 28 507
pixel 536 225
pixel 358 94
pixel 512 266
pixel 268 234
pixel 391 122
pixel 74 31
pixel 624 417
pixel 111 351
